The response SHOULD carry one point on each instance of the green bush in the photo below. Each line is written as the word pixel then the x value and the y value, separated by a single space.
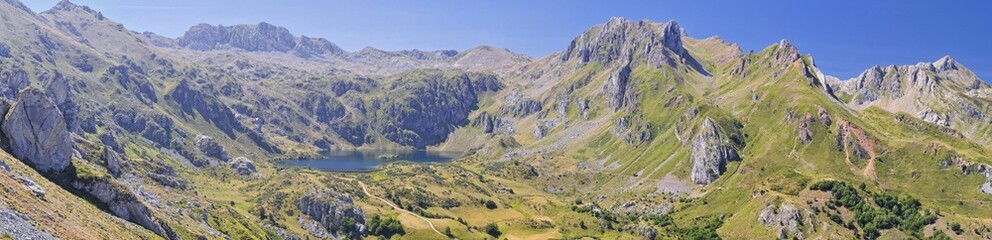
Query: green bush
pixel 492 230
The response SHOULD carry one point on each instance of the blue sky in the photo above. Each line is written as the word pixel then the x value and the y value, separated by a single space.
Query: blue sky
pixel 845 37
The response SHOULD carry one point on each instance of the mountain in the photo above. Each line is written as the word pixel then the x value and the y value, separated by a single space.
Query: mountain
pixel 634 130
pixel 943 92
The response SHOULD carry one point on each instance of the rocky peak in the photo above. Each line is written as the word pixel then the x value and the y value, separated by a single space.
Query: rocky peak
pixel 946 63
pixel 66 5
pixel 621 39
pixel 261 37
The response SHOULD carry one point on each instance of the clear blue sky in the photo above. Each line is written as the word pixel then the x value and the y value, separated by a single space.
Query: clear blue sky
pixel 845 37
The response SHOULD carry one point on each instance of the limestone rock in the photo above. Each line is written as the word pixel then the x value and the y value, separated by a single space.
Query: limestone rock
pixel 11 82
pixel 787 218
pixel 243 166
pixel 515 104
pixel 711 149
pixel 37 132
pixel 122 203
pixel 210 147
pixel 33 186
pixel 113 161
pixel 331 209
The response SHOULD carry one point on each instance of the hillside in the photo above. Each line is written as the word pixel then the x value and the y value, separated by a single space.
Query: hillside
pixel 633 130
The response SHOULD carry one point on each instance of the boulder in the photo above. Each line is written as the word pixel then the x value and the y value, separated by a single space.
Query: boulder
pixel 211 148
pixel 33 186
pixel 123 203
pixel 243 166
pixel 37 133
pixel 113 161
pixel 332 210
pixel 787 218
pixel 711 149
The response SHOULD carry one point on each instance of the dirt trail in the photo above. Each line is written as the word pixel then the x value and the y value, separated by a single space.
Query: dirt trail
pixel 387 202
pixel 847 129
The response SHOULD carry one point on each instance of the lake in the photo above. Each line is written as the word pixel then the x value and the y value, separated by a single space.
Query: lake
pixel 366 160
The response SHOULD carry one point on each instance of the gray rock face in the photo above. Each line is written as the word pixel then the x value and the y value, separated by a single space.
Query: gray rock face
pixel 210 147
pixel 191 99
pixel 711 149
pixel 516 104
pixel 262 37
pixel 57 88
pixel 492 124
pixel 243 166
pixel 824 115
pixel 33 186
pixel 113 161
pixel 618 88
pixel 11 82
pixel 331 210
pixel 620 38
pixel 543 128
pixel 805 133
pixel 932 116
pixel 37 132
pixel 122 203
pixel 4 50
pixel 18 226
pixel 787 218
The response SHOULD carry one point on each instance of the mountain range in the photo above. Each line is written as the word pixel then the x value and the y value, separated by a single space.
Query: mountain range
pixel 634 130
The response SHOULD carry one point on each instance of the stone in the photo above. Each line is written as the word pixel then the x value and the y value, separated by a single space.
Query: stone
pixel 33 186
pixel 711 149
pixel 787 218
pixel 243 166
pixel 330 209
pixel 11 82
pixel 37 133
pixel 113 161
pixel 211 148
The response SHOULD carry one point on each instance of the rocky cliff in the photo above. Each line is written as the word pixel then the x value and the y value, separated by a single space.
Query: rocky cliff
pixel 335 212
pixel 711 150
pixel 36 131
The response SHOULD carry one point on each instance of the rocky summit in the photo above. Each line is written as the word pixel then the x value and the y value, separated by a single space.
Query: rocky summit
pixel 633 129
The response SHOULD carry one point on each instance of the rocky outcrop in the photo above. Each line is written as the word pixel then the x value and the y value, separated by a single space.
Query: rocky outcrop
pixel 211 148
pixel 711 149
pixel 113 161
pixel 155 127
pixel 132 79
pixel 633 130
pixel 17 225
pixel 618 88
pixel 492 124
pixel 515 104
pixel 4 50
pixel 335 212
pixel 543 128
pixel 243 166
pixel 789 220
pixel 619 39
pixel 208 106
pixel 123 203
pixel 32 186
pixel 824 115
pixel 262 37
pixel 58 89
pixel 424 106
pixel 805 133
pixel 37 133
pixel 11 82
pixel 932 116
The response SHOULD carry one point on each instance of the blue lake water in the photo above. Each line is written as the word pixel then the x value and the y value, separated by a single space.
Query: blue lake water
pixel 366 160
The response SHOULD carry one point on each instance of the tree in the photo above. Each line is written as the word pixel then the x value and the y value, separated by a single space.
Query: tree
pixel 492 230
pixel 447 232
pixel 490 204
